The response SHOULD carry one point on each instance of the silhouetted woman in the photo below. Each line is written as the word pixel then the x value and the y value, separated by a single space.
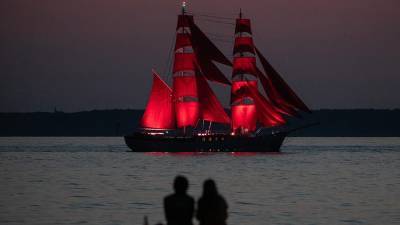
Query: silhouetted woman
pixel 211 207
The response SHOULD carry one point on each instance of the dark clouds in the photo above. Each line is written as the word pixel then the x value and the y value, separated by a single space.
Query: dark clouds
pixel 80 55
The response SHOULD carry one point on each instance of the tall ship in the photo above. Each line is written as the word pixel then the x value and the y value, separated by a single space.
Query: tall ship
pixel 180 118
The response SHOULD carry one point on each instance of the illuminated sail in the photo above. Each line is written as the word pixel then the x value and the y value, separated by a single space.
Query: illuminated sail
pixel 286 94
pixel 211 108
pixel 187 107
pixel 192 99
pixel 245 110
pixel 159 113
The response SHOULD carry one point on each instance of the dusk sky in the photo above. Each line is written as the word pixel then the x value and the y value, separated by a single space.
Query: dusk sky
pixel 98 54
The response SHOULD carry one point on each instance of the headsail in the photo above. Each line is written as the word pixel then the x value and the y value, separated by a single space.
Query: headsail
pixel 205 47
pixel 282 89
pixel 211 108
pixel 206 53
pixel 267 114
pixel 159 113
pixel 280 105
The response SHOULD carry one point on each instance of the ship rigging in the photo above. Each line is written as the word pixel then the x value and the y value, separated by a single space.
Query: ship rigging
pixel 174 114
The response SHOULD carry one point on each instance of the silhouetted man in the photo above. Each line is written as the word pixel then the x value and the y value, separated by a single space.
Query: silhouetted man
pixel 179 207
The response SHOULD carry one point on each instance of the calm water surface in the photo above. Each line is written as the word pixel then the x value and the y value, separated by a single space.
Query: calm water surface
pixel 97 181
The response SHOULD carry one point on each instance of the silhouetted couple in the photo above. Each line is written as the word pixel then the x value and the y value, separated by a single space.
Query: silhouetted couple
pixel 179 207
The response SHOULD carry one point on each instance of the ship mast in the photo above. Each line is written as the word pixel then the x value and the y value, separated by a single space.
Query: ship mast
pixel 243 109
pixel 183 7
pixel 192 66
pixel 183 49
pixel 240 35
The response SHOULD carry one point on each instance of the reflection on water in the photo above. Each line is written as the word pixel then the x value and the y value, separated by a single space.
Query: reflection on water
pixel 98 181
pixel 211 153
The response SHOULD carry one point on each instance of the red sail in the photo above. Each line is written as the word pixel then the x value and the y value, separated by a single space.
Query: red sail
pixel 244 117
pixel 187 107
pixel 243 44
pixel 184 62
pixel 243 110
pixel 184 21
pixel 281 86
pixel 238 93
pixel 244 65
pixel 276 100
pixel 204 48
pixel 211 71
pixel 187 113
pixel 206 52
pixel 159 113
pixel 243 25
pixel 182 40
pixel 211 108
pixel 266 112
pixel 184 86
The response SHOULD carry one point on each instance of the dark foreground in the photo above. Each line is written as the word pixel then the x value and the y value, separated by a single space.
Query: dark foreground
pixel 99 181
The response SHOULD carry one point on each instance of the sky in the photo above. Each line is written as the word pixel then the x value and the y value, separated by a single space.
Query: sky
pixel 98 54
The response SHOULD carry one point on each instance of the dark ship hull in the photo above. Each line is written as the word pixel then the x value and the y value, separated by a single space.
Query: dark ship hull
pixel 140 142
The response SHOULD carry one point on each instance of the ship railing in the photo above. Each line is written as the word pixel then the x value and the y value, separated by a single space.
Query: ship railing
pixel 267 130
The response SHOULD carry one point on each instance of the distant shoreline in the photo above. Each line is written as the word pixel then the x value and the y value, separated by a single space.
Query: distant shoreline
pixel 109 123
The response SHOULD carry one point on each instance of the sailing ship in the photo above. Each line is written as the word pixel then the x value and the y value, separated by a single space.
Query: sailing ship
pixel 173 120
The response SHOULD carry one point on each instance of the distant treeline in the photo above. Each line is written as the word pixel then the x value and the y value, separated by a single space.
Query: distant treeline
pixel 333 123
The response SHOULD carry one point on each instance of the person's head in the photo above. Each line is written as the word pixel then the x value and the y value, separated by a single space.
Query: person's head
pixel 209 188
pixel 180 184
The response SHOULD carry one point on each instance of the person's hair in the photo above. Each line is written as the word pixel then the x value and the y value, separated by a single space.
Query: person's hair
pixel 209 188
pixel 180 184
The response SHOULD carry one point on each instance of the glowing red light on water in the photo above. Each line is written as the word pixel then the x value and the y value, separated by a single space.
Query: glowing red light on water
pixel 178 154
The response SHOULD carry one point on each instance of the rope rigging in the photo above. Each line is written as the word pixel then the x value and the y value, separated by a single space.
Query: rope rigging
pixel 215 21
pixel 211 16
pixel 168 64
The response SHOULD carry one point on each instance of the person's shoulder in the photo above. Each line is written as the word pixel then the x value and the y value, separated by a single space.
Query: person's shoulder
pixel 222 200
pixel 191 198
pixel 187 197
pixel 169 197
pixel 221 197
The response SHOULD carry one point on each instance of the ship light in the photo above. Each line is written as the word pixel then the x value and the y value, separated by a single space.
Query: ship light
pixel 156 133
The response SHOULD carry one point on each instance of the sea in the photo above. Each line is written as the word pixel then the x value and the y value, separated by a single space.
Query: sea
pixel 97 180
